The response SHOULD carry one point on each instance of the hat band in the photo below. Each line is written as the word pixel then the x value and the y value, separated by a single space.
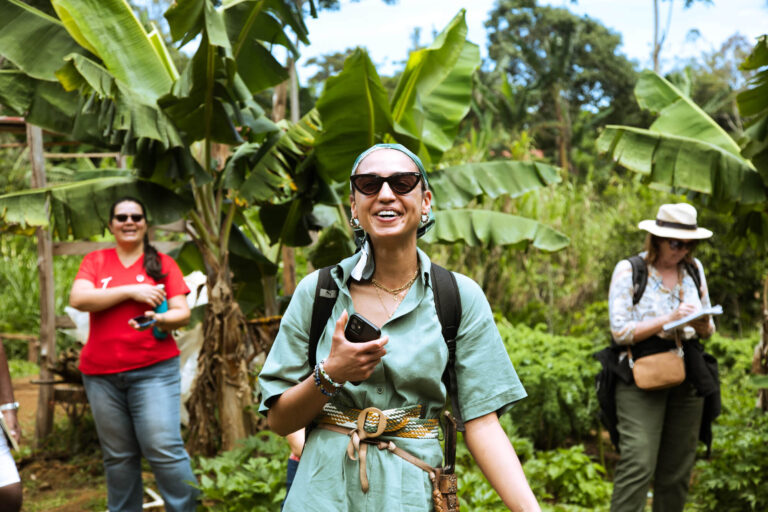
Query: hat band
pixel 666 224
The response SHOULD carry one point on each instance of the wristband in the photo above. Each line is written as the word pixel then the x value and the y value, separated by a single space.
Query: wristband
pixel 10 406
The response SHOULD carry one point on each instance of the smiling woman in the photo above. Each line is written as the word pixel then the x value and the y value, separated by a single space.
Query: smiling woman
pixel 131 374
pixel 388 392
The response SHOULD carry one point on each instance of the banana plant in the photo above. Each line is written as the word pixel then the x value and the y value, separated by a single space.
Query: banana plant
pixel 201 147
pixel 431 98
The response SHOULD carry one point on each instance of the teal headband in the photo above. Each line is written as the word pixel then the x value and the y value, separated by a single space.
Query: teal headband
pixel 423 228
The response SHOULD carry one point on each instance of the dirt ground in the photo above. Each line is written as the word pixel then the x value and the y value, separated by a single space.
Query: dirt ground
pixel 67 475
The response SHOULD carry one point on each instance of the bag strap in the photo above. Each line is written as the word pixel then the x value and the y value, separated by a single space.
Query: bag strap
pixel 639 277
pixel 693 271
pixel 325 297
pixel 448 306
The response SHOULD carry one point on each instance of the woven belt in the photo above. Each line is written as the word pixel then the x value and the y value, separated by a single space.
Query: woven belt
pixel 373 422
pixel 401 422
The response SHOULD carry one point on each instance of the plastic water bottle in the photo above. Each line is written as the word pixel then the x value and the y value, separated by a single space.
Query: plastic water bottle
pixel 161 308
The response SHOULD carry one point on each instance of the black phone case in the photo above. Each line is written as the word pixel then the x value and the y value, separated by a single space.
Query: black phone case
pixel 359 330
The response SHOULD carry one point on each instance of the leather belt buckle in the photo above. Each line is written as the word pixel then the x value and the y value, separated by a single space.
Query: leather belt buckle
pixel 363 416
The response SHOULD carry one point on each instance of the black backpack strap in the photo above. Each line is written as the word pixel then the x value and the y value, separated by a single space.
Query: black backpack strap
pixel 325 297
pixel 448 306
pixel 693 270
pixel 639 277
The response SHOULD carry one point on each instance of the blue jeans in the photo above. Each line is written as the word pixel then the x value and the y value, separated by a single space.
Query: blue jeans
pixel 137 413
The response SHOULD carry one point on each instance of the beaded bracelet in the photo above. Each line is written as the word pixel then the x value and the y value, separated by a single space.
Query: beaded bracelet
pixel 319 383
pixel 327 377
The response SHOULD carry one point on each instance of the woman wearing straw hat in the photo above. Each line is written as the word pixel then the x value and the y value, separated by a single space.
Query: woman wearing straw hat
pixel 659 429
pixel 388 282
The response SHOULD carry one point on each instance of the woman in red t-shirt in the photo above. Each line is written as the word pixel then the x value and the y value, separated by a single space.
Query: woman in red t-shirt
pixel 131 371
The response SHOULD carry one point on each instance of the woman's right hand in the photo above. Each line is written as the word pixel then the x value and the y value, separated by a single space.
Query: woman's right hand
pixel 147 294
pixel 683 310
pixel 349 361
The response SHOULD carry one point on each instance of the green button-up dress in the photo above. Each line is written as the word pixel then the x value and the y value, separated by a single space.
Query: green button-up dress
pixel 410 373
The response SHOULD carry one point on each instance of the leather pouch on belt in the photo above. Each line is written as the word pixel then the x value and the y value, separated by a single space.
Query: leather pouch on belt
pixel 444 492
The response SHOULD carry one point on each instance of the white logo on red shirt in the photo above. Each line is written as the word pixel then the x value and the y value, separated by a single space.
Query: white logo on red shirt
pixel 105 282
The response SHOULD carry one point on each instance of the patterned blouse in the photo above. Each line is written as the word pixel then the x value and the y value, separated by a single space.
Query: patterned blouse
pixel 657 300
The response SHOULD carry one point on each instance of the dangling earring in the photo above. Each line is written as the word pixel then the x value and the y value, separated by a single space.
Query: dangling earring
pixel 354 222
pixel 424 218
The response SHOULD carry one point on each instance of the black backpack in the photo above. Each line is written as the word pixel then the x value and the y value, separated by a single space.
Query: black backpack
pixel 640 276
pixel 447 304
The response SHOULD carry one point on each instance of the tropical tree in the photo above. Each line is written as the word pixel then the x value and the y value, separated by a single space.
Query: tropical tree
pixel 551 67
pixel 687 151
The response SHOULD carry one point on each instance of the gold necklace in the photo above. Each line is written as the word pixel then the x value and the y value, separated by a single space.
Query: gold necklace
pixel 395 292
pixel 381 301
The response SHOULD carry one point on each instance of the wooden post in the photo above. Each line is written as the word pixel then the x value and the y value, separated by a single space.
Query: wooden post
pixel 44 418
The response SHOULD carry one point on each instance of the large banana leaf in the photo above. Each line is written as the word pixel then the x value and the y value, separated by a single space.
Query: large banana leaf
pixel 683 149
pixel 448 103
pixel 81 209
pixel 424 73
pixel 483 227
pixel 355 113
pixel 684 163
pixel 35 42
pixel 678 114
pixel 456 186
pixel 753 102
pixel 109 29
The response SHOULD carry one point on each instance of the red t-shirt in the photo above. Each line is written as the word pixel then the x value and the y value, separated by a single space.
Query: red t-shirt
pixel 114 346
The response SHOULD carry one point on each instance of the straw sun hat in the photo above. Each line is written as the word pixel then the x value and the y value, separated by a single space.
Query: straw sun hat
pixel 675 221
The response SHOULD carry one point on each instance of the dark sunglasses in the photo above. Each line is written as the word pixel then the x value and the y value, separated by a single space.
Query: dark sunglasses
pixel 122 217
pixel 680 244
pixel 400 183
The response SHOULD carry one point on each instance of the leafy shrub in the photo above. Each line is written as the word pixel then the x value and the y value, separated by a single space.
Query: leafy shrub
pixel 734 479
pixel 22 368
pixel 248 478
pixel 568 476
pixel 558 373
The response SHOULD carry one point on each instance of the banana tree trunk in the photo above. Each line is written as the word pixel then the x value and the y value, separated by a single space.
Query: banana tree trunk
pixel 220 407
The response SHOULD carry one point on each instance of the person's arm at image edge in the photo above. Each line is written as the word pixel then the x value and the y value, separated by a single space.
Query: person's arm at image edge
pixel 496 457
pixel 6 395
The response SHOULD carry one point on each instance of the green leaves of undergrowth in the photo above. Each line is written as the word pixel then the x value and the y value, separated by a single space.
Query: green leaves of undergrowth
pixel 558 373
pixel 250 478
pixel 568 475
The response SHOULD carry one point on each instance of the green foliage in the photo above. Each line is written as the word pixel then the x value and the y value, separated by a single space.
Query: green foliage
pixel 22 368
pixel 558 373
pixel 733 479
pixel 20 300
pixel 568 476
pixel 249 478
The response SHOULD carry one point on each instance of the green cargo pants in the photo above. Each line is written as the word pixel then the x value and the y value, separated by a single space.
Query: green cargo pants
pixel 658 433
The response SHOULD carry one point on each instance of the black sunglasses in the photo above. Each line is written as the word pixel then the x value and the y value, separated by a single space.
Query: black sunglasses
pixel 680 244
pixel 122 217
pixel 400 183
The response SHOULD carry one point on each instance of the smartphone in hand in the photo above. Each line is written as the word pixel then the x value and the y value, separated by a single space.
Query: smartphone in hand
pixel 359 330
pixel 143 321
